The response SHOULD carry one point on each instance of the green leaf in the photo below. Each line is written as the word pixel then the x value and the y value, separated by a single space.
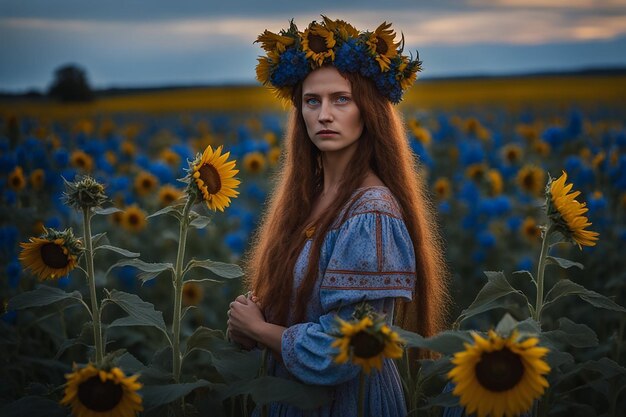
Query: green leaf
pixel 43 295
pixel 200 222
pixel 447 342
pixel 33 406
pixel 171 210
pixel 506 325
pixel 572 334
pixel 563 263
pixel 156 395
pixel 566 287
pixel 496 287
pixel 210 340
pixel 524 272
pixel 85 339
pixel 151 270
pixel 220 269
pixel 106 211
pixel 121 251
pixel 95 239
pixel 140 313
pixel 268 389
pixel 445 399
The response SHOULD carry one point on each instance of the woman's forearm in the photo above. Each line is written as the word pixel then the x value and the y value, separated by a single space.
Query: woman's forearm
pixel 269 334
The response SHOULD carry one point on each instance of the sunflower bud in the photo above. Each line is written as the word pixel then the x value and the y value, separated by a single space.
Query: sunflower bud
pixel 84 193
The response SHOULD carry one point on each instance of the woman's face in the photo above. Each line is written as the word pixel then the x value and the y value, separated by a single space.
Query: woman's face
pixel 333 120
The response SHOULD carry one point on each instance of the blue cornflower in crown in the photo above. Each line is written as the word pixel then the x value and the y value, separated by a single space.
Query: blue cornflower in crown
pixel 291 55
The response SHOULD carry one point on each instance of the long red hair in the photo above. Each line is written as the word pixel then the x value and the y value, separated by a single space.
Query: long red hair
pixel 383 147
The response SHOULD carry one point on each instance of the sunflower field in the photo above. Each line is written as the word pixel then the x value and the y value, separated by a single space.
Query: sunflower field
pixel 124 223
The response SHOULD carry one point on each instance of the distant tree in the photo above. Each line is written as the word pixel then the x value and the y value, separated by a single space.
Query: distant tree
pixel 70 84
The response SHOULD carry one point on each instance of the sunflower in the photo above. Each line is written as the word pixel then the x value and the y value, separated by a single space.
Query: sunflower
pixel 499 376
pixel 254 162
pixel 273 156
pixel 145 183
pixel 127 148
pixel 442 188
pixel 213 176
pixel 81 160
pixel 566 213
pixel 134 219
pixel 52 255
pixel 192 293
pixel 16 179
pixel 110 157
pixel 530 230
pixel 170 157
pixel 93 392
pixel 381 45
pixel 168 194
pixel 274 42
pixel 540 147
pixel 531 179
pixel 528 132
pixel 512 153
pixel 494 179
pixel 37 178
pixel 318 43
pixel 476 171
pixel 366 343
pixel 263 70
pixel 421 134
pixel 344 30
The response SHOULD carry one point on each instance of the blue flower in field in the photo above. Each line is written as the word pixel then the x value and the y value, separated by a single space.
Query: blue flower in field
pixel 422 153
pixel 39 159
pixel 13 271
pixel 514 223
pixel 502 204
pixel 256 192
pixel 573 163
pixel 9 317
pixel 525 264
pixel 104 165
pixel 4 144
pixel 143 161
pixel 95 148
pixel 184 151
pixel 236 242
pixel 585 177
pixel 53 222
pixel 486 239
pixel 574 124
pixel 620 139
pixel 468 192
pixel 8 163
pixel 596 201
pixel 622 235
pixel 63 282
pixel 117 184
pixel 479 256
pixel 9 197
pixel 444 207
pixel 469 222
pixel 8 238
pixel 127 276
pixel 61 158
pixel 555 136
pixel 471 152
pixel 162 171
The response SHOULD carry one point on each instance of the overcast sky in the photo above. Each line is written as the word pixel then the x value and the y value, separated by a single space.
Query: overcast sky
pixel 180 42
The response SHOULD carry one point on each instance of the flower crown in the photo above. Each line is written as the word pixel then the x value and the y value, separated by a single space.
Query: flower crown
pixel 292 55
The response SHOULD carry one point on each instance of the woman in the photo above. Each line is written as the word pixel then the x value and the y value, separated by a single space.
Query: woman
pixel 349 220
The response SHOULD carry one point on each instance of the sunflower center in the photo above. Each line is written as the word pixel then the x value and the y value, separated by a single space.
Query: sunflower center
pixel 317 43
pixel 147 183
pixel 133 219
pixel 211 178
pixel 381 47
pixel 529 181
pixel 16 181
pixel 366 345
pixel 52 255
pixel 99 396
pixel 500 370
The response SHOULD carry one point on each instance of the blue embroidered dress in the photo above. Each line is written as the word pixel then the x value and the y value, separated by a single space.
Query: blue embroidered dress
pixel 369 256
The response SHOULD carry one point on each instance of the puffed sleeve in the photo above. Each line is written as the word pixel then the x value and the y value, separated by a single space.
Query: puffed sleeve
pixel 372 260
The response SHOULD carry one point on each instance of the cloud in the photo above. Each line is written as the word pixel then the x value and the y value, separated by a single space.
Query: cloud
pixel 552 4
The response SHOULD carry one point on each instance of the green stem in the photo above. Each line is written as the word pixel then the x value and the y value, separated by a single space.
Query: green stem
pixel 540 274
pixel 95 309
pixel 361 399
pixel 178 290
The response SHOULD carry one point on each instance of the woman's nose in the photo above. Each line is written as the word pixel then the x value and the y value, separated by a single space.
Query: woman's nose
pixel 325 114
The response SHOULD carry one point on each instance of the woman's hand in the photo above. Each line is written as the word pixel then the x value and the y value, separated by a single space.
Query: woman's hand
pixel 236 335
pixel 246 320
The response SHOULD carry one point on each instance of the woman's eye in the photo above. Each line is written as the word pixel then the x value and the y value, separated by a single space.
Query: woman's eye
pixel 343 99
pixel 312 101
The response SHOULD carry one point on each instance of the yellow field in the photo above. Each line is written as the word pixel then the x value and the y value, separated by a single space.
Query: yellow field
pixel 547 90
